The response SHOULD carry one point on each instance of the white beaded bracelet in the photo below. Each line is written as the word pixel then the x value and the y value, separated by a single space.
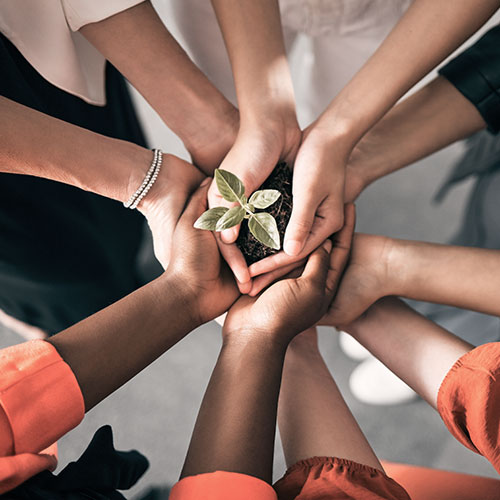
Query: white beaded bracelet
pixel 148 181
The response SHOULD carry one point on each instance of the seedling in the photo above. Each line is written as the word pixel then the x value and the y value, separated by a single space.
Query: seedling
pixel 261 224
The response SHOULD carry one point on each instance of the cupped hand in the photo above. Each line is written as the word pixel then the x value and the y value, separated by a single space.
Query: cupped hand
pixel 366 279
pixel 255 153
pixel 165 202
pixel 318 200
pixel 294 304
pixel 196 260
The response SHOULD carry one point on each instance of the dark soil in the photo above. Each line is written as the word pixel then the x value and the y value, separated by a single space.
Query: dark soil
pixel 281 210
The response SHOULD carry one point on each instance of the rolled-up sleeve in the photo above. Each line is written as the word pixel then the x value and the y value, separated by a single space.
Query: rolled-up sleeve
pixel 476 74
pixel 81 12
pixel 40 400
pixel 330 477
pixel 469 401
pixel 222 485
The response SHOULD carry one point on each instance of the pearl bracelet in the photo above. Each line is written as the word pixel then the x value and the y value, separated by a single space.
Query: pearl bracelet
pixel 148 181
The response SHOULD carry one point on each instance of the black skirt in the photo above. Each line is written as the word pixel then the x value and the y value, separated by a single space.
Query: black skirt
pixel 64 253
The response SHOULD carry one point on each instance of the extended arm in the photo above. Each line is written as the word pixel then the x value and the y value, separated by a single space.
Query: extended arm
pixel 458 276
pixel 428 32
pixel 314 420
pixel 236 424
pixel 163 73
pixel 268 131
pixel 32 143
pixel 417 350
pixel 237 420
pixel 425 122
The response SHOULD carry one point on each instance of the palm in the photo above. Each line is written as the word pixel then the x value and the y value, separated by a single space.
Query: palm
pixel 196 258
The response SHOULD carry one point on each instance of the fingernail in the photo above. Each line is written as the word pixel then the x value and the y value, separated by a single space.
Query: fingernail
pixel 327 245
pixel 205 182
pixel 229 235
pixel 292 247
pixel 245 287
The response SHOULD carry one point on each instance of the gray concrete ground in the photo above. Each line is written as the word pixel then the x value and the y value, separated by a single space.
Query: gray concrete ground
pixel 155 412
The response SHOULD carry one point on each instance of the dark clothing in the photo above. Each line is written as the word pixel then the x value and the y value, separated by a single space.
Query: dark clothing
pixel 64 253
pixel 97 474
pixel 476 74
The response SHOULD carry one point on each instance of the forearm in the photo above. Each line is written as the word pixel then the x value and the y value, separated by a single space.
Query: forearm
pixel 107 349
pixel 313 417
pixel 417 350
pixel 254 40
pixel 236 423
pixel 163 73
pixel 429 120
pixel 426 34
pixel 32 143
pixel 459 276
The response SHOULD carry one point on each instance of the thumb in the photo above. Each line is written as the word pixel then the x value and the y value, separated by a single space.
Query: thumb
pixel 316 269
pixel 300 224
pixel 342 242
pixel 196 205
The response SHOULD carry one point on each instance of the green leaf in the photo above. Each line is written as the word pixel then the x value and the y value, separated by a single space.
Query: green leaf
pixel 231 218
pixel 208 220
pixel 264 228
pixel 230 187
pixel 264 198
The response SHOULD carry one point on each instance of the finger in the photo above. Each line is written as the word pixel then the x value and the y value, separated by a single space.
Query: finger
pixel 339 256
pixel 300 224
pixel 317 265
pixel 234 258
pixel 197 204
pixel 265 280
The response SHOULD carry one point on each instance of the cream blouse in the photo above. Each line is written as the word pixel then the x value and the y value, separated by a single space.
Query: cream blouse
pixel 46 33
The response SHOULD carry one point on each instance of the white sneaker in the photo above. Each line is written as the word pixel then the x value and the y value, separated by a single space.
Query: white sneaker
pixel 373 383
pixel 352 348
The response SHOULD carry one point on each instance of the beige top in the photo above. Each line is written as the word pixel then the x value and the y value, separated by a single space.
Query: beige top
pixel 46 33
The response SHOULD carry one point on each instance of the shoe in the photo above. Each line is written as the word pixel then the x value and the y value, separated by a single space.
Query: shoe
pixel 352 348
pixel 373 383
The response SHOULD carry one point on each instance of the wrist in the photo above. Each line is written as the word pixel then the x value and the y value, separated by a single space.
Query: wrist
pixel 173 289
pixel 266 338
pixel 248 341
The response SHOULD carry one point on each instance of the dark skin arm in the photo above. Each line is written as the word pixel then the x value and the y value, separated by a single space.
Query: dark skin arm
pixel 236 424
pixel 107 349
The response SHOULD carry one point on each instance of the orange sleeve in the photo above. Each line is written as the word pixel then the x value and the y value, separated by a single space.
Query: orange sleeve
pixel 40 400
pixel 328 477
pixel 222 485
pixel 469 401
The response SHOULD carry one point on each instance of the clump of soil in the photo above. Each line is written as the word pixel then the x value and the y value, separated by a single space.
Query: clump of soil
pixel 281 210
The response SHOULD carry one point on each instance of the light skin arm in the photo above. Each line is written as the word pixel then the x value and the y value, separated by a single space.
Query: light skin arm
pixel 163 73
pixel 32 143
pixel 268 131
pixel 314 420
pixel 463 277
pixel 425 35
pixel 236 424
pixel 107 349
pixel 427 121
pixel 417 350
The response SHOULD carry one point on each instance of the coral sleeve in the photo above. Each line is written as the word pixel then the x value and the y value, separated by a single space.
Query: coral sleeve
pixel 222 485
pixel 469 401
pixel 327 477
pixel 40 400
